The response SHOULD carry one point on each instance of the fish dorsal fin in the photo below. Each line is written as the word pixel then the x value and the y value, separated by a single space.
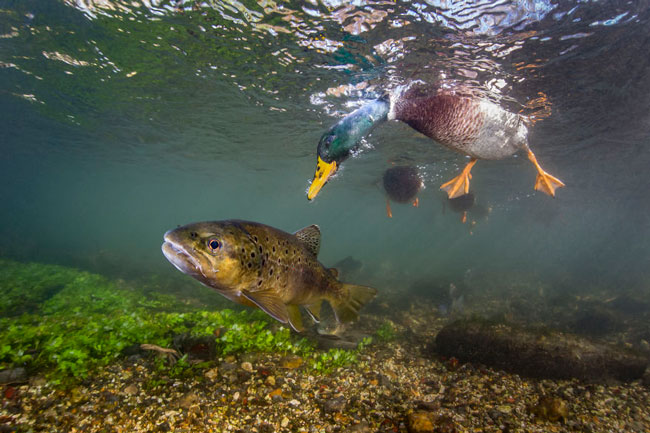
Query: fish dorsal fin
pixel 335 272
pixel 310 237
pixel 269 303
pixel 295 318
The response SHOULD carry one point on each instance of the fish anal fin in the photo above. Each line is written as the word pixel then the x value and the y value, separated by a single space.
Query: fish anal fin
pixel 335 272
pixel 295 318
pixel 269 302
pixel 347 308
pixel 314 310
pixel 310 238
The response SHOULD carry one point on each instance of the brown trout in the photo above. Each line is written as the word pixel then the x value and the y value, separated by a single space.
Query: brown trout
pixel 260 266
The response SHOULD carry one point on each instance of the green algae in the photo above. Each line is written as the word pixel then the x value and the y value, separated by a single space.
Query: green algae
pixel 386 332
pixel 90 321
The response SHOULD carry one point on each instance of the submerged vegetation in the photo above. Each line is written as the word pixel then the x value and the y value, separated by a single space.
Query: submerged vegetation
pixel 79 321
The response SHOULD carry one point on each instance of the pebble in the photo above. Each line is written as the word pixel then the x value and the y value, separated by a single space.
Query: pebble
pixel 291 362
pixel 336 404
pixel 421 422
pixel 284 422
pixel 362 427
pixel 14 375
pixel 212 374
pixel 131 389
pixel 247 366
pixel 188 400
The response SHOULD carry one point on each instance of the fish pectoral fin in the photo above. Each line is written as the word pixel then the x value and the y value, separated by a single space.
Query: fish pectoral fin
pixel 335 272
pixel 314 310
pixel 295 318
pixel 310 238
pixel 347 308
pixel 269 303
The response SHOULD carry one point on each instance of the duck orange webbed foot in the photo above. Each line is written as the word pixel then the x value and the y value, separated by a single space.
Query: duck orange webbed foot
pixel 389 213
pixel 544 182
pixel 460 184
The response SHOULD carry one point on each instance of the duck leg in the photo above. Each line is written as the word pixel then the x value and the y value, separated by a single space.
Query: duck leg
pixel 416 202
pixel 544 182
pixel 460 184
pixel 388 211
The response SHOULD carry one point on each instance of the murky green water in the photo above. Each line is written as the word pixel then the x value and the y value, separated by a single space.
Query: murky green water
pixel 121 120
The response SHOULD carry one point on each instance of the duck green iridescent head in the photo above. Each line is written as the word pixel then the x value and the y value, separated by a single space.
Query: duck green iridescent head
pixel 338 143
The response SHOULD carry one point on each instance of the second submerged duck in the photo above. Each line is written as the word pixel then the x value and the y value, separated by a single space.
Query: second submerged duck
pixel 469 125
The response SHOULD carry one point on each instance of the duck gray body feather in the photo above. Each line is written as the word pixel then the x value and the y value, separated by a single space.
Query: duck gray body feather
pixel 469 125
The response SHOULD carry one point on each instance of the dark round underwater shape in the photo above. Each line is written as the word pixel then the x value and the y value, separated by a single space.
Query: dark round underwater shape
pixel 402 183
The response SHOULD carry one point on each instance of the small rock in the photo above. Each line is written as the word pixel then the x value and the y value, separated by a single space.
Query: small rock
pixel 13 375
pixel 212 374
pixel 385 381
pixel 551 409
pixel 131 389
pixel 164 427
pixel 284 422
pixel 235 396
pixel 270 381
pixel 362 427
pixel 294 403
pixel 427 422
pixel 291 362
pixel 267 428
pixel 106 395
pixel 227 366
pixel 188 400
pixel 247 366
pixel 10 392
pixel 421 422
pixel 336 404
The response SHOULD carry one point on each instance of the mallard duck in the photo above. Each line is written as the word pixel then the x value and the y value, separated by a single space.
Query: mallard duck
pixel 470 125
pixel 402 184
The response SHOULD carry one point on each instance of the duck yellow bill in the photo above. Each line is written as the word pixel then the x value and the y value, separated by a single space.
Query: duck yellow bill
pixel 324 171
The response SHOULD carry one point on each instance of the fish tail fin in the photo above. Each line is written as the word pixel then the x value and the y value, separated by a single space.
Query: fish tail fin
pixel 354 297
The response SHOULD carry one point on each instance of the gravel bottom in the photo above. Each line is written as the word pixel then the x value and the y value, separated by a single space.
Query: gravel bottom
pixel 394 388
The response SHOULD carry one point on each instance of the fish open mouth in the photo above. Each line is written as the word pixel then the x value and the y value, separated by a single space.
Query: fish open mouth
pixel 179 257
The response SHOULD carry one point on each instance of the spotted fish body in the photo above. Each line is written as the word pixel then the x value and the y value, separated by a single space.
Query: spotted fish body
pixel 258 265
pixel 473 126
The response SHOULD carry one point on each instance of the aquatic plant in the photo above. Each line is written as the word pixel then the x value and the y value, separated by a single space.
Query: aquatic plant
pixel 326 362
pixel 24 286
pixel 91 320
pixel 386 332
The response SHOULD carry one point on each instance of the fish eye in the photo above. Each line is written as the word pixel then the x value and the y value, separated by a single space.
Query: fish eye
pixel 214 245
